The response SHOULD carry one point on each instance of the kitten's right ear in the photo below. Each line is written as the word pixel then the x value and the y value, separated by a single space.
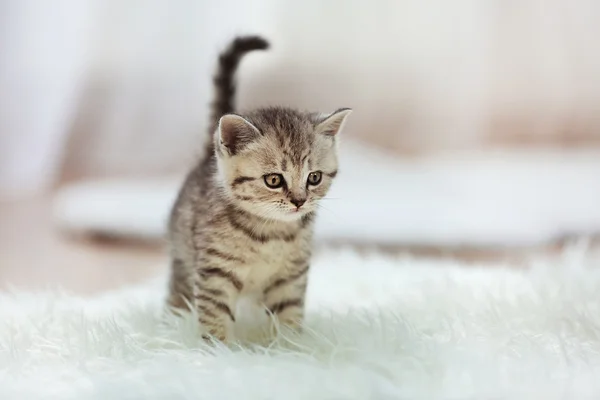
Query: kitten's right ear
pixel 235 132
pixel 333 123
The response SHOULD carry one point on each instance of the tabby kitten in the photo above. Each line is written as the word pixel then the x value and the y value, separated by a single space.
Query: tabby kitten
pixel 243 221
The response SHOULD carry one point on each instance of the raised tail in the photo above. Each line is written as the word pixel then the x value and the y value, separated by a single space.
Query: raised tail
pixel 224 80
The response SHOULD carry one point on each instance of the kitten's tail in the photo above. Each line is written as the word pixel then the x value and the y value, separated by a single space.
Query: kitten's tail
pixel 224 79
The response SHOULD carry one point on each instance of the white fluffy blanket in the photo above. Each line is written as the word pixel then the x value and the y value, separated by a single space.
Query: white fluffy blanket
pixel 377 328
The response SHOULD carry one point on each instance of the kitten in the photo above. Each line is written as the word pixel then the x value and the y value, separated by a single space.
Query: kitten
pixel 243 220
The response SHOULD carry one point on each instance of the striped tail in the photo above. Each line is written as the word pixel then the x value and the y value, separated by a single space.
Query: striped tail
pixel 224 80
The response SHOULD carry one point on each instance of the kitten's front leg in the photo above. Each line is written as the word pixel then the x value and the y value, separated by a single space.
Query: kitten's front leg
pixel 215 295
pixel 284 297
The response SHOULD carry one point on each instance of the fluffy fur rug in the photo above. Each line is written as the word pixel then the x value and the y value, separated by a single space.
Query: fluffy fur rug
pixel 377 328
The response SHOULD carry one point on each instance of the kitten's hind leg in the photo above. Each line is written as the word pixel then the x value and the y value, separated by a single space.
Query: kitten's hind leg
pixel 180 289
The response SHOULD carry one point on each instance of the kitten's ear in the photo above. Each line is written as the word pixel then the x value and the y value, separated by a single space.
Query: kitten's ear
pixel 334 123
pixel 236 132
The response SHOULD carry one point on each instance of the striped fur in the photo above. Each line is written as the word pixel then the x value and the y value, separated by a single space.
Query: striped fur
pixel 230 234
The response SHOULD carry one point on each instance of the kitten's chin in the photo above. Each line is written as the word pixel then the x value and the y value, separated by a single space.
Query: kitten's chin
pixel 289 216
pixel 285 216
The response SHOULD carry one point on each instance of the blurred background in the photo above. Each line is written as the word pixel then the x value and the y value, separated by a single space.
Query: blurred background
pixel 475 132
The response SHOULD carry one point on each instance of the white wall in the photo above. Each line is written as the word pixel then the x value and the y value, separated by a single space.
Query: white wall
pixel 434 74
pixel 43 61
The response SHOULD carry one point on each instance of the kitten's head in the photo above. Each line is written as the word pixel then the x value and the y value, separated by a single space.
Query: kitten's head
pixel 278 163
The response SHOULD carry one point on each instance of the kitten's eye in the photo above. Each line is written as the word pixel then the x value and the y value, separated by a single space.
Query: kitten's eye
pixel 314 178
pixel 274 181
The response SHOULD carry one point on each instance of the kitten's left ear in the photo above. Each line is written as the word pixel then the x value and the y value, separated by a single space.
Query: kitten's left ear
pixel 334 123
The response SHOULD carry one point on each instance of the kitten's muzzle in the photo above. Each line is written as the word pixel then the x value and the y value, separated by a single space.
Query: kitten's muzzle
pixel 298 202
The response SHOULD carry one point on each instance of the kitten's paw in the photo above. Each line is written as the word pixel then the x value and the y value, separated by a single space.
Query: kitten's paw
pixel 214 338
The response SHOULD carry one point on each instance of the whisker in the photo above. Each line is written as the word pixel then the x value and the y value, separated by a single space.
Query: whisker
pixel 322 207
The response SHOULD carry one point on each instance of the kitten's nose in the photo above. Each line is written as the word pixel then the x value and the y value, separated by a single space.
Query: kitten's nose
pixel 298 202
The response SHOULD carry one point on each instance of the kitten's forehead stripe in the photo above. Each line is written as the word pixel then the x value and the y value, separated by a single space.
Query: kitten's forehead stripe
pixel 269 163
pixel 291 130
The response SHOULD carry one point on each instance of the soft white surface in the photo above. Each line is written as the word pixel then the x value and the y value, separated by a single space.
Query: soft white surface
pixel 486 199
pixel 377 328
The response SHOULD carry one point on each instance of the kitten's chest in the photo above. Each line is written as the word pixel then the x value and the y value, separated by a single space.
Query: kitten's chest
pixel 269 260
